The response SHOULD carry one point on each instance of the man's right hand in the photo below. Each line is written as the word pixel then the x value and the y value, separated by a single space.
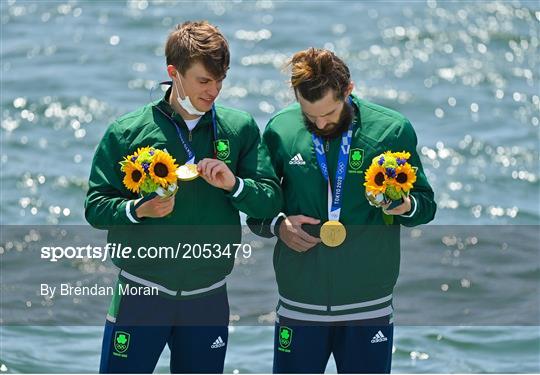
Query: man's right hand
pixel 155 207
pixel 291 232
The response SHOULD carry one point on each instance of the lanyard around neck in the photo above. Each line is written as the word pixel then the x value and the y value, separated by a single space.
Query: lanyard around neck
pixel 187 148
pixel 335 198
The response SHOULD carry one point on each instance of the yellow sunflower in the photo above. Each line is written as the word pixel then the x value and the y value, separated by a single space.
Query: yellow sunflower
pixel 135 156
pixel 375 179
pixel 134 177
pixel 405 178
pixel 163 168
pixel 130 158
pixel 402 154
pixel 141 150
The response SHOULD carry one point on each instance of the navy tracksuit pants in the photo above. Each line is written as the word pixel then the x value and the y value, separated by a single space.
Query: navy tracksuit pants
pixel 358 346
pixel 196 331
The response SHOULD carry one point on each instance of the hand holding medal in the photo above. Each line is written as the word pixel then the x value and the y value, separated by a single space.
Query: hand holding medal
pixel 216 173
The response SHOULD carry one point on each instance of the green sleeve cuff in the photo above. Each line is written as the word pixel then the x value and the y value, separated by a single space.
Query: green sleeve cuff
pixel 131 212
pixel 412 211
pixel 237 191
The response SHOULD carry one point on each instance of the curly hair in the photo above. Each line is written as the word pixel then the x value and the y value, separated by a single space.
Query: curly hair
pixel 315 71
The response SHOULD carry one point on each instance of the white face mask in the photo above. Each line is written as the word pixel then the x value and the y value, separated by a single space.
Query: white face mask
pixel 186 102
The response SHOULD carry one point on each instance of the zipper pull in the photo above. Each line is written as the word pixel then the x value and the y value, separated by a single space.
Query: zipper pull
pixel 189 136
pixel 327 146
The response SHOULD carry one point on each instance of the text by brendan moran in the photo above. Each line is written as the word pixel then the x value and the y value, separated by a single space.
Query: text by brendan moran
pixel 66 289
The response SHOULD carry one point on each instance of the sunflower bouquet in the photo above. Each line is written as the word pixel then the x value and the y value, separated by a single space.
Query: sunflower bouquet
pixel 389 178
pixel 150 170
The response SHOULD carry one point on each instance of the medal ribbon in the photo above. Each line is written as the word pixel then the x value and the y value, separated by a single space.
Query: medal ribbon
pixel 187 147
pixel 335 199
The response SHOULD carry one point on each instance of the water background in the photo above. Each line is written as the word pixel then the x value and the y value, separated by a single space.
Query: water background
pixel 464 73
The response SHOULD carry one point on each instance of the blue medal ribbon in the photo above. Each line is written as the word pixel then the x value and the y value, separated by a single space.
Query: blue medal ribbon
pixel 335 198
pixel 187 148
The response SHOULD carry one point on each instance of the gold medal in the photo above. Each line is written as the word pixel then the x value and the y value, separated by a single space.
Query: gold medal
pixel 187 172
pixel 333 233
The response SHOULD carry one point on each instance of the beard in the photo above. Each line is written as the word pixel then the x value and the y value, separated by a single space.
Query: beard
pixel 335 129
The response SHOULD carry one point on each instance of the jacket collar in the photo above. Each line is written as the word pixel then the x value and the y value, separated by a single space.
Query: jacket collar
pixel 357 104
pixel 164 105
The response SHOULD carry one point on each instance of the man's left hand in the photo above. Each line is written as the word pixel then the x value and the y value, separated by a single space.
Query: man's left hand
pixel 399 210
pixel 216 173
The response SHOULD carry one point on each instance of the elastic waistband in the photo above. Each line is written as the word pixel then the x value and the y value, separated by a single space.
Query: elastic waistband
pixel 375 306
pixel 297 315
pixel 174 293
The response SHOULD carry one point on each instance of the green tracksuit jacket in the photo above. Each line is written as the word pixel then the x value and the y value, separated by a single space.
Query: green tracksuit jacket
pixel 355 280
pixel 202 213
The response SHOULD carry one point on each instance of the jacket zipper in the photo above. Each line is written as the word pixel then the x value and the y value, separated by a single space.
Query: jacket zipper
pixel 327 146
pixel 190 138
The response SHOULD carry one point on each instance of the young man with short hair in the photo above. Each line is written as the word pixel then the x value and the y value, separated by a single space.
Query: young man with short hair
pixel 191 311
pixel 335 298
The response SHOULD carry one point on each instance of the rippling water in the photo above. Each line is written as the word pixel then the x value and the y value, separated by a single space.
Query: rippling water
pixel 464 73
